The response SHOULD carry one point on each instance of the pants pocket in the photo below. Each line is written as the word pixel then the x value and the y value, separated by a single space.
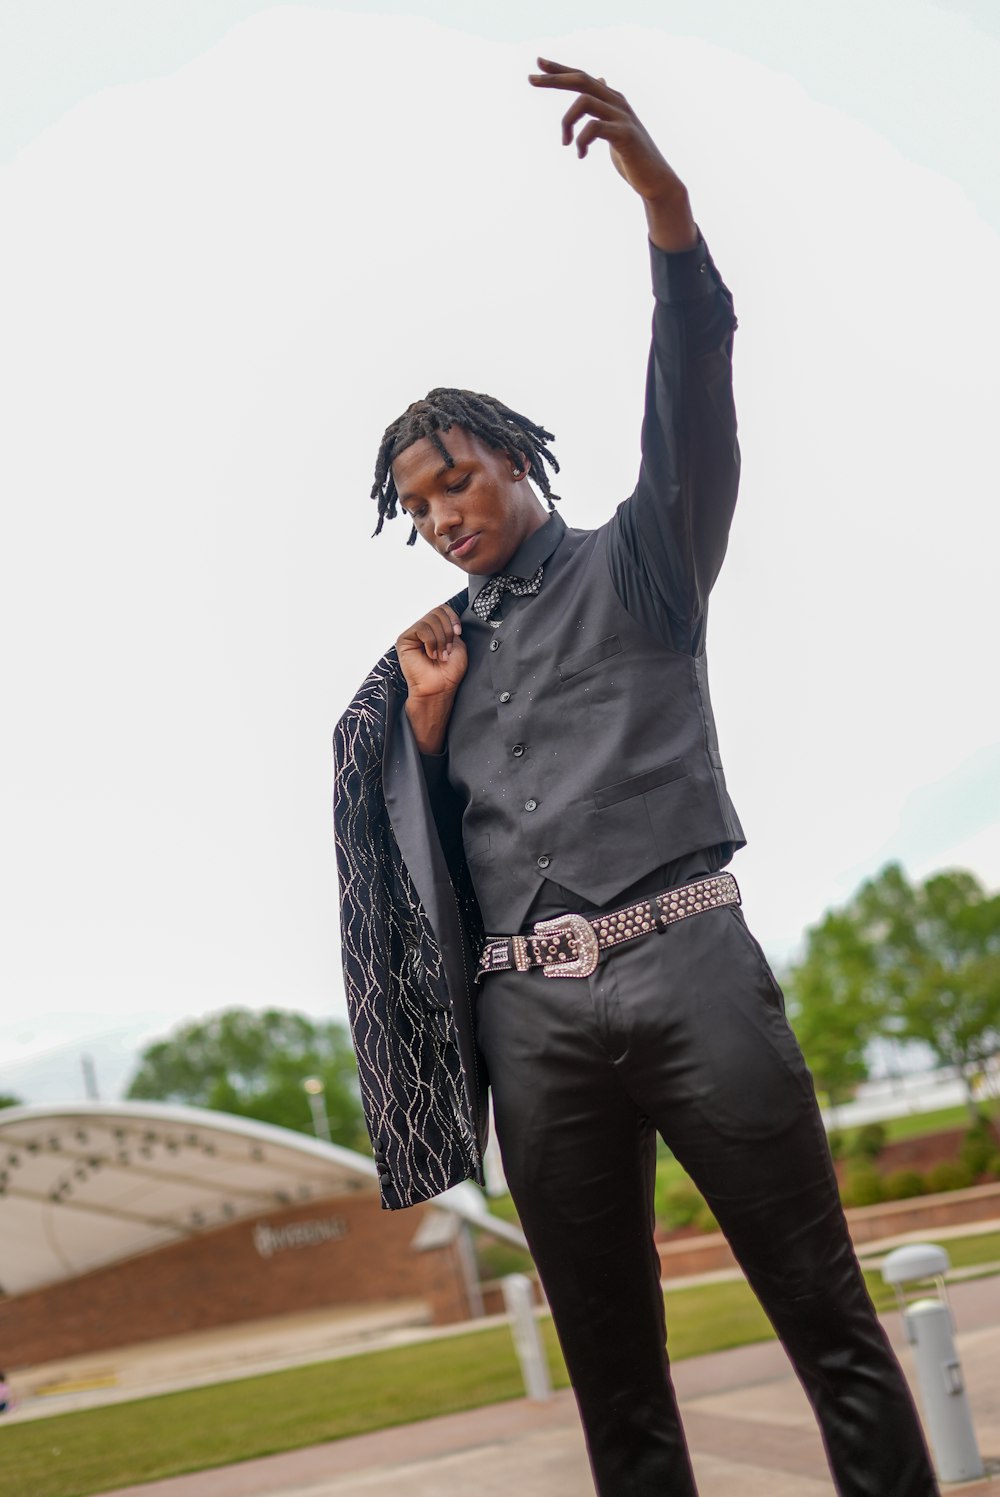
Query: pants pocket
pixel 757 952
pixel 752 1081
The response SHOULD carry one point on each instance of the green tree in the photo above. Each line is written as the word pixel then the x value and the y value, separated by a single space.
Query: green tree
pixel 940 951
pixel 254 1065
pixel 906 962
pixel 835 1004
pixel 7 1099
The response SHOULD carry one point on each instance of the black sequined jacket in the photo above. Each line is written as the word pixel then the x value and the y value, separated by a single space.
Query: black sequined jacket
pixel 410 932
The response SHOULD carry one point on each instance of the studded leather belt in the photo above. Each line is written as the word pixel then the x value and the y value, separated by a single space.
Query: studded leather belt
pixel 572 945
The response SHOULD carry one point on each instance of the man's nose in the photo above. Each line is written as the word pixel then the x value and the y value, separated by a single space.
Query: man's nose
pixel 446 518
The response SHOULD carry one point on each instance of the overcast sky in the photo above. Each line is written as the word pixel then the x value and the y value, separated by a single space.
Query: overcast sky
pixel 239 239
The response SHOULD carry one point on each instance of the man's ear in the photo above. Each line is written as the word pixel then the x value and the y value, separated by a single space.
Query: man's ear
pixel 519 468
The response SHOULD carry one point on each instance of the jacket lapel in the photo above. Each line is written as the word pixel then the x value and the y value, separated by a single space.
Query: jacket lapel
pixel 413 826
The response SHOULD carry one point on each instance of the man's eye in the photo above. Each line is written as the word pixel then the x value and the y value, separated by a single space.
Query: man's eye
pixel 463 483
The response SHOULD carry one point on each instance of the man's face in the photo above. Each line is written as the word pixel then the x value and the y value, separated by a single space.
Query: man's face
pixel 476 513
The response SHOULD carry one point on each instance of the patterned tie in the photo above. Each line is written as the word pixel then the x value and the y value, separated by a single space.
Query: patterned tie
pixel 490 596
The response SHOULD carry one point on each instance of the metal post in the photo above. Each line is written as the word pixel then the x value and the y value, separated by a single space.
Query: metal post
pixel 470 1272
pixel 89 1078
pixel 316 1092
pixel 942 1389
pixel 518 1298
pixel 929 1326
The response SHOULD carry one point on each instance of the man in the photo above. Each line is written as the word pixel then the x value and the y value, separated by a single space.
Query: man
pixel 540 759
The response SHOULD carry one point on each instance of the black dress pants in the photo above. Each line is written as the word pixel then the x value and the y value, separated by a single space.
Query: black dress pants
pixel 684 1033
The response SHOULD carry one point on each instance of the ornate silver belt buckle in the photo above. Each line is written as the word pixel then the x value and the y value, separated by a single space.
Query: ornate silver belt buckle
pixel 585 938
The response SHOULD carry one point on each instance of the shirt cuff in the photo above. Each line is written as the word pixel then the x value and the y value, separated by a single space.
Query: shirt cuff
pixel 435 767
pixel 684 275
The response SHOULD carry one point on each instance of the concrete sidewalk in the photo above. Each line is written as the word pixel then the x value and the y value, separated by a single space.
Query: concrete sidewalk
pixel 750 1429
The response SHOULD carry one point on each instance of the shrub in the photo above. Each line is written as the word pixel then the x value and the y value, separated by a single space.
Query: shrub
pixel 705 1221
pixel 503 1206
pixel 679 1205
pixel 835 1139
pixel 978 1147
pixel 868 1142
pixel 497 1259
pixel 863 1186
pixel 903 1184
pixel 949 1175
pixel 993 1168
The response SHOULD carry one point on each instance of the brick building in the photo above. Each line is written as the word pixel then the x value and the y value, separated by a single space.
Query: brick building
pixel 126 1222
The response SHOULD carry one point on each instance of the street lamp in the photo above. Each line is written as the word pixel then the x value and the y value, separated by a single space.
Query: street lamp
pixel 316 1092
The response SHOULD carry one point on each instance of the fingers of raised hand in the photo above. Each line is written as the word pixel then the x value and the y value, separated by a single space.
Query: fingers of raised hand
pixel 575 80
pixel 612 131
pixel 436 633
pixel 606 106
pixel 600 109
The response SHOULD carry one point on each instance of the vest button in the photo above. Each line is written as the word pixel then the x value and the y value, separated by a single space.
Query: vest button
pixel 531 805
pixel 544 860
pixel 494 644
pixel 517 750
pixel 505 696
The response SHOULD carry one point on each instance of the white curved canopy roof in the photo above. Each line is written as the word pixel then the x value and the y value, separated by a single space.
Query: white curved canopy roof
pixel 86 1184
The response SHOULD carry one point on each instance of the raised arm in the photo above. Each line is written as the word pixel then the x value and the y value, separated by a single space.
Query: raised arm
pixel 669 538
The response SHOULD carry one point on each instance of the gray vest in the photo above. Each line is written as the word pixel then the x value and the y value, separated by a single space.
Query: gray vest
pixel 582 749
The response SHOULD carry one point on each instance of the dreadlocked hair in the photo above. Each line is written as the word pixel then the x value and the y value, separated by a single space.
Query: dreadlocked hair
pixel 481 415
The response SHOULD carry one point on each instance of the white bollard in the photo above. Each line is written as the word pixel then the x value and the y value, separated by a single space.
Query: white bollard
pixel 942 1388
pixel 519 1300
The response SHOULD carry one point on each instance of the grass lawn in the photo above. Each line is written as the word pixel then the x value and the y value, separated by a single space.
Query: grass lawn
pixel 95 1450
pixel 98 1449
pixel 966 1252
pixel 69 1455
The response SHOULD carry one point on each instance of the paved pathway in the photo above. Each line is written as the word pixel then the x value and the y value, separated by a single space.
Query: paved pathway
pixel 748 1424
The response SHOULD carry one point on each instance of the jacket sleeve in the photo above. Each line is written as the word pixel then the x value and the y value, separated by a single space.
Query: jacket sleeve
pixel 668 540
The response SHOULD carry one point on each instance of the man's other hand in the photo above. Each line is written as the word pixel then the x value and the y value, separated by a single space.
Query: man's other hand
pixel 635 154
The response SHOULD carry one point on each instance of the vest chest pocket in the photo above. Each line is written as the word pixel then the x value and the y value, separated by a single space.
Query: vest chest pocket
pixel 584 659
pixel 640 784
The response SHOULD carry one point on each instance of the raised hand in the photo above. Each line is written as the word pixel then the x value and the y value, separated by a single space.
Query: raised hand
pixel 433 659
pixel 610 117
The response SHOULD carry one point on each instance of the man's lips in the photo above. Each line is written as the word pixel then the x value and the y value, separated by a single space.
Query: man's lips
pixel 464 544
